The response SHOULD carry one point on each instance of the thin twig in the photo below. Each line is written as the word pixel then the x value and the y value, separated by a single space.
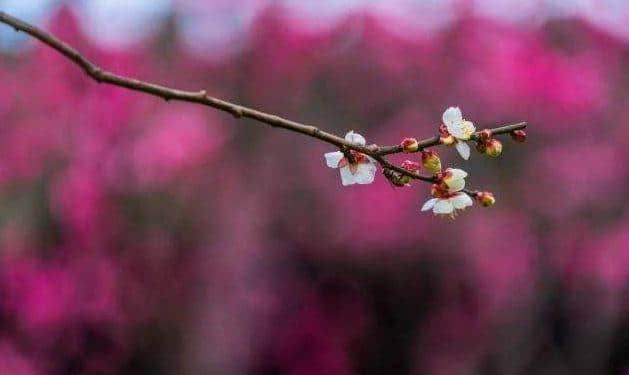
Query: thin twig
pixel 201 97
pixel 434 141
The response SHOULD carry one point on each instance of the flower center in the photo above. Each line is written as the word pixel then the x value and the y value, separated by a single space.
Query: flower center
pixel 358 157
pixel 441 191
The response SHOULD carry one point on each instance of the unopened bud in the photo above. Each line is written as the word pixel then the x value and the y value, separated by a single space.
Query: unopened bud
pixel 518 135
pixel 485 198
pixel 410 166
pixel 409 145
pixel 493 148
pixel 431 161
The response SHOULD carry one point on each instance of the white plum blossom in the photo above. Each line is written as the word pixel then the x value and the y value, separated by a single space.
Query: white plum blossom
pixel 447 194
pixel 453 179
pixel 460 129
pixel 448 206
pixel 361 171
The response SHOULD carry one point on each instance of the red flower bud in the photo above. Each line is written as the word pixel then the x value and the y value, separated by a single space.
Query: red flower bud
pixel 518 135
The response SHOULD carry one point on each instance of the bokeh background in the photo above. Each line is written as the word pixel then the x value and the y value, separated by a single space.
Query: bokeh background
pixel 145 237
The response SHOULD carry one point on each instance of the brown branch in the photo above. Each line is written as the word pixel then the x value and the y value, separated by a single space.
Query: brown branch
pixel 201 97
pixel 434 141
pixel 102 76
pixel 385 164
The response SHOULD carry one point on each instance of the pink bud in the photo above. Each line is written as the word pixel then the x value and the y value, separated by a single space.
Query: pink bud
pixel 410 165
pixel 518 135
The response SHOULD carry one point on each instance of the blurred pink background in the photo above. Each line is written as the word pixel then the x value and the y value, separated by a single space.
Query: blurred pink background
pixel 144 237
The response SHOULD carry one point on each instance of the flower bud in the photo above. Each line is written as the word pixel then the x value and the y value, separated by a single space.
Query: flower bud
pixel 493 148
pixel 409 145
pixel 485 198
pixel 518 135
pixel 410 165
pixel 431 161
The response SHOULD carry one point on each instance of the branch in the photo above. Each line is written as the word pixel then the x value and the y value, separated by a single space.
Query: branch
pixel 201 97
pixel 102 76
pixel 434 141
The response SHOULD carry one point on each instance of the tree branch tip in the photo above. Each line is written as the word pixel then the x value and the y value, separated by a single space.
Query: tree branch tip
pixel 352 151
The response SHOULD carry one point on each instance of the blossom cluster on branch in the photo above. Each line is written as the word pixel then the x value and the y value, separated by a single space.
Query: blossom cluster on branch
pixel 356 160
pixel 448 186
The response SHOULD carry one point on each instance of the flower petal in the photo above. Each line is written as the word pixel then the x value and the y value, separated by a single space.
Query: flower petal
pixel 461 200
pixel 455 180
pixel 443 206
pixel 429 204
pixel 332 159
pixel 463 149
pixel 347 177
pixel 458 131
pixel 456 173
pixel 355 138
pixel 468 129
pixel 456 185
pixel 366 173
pixel 452 117
pixel 462 130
